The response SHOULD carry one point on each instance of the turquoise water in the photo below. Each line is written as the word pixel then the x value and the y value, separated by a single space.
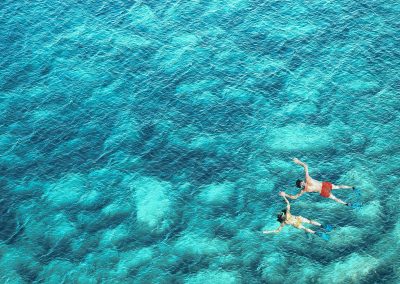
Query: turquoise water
pixel 147 141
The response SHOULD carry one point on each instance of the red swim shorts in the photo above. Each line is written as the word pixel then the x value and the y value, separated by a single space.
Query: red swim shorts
pixel 326 189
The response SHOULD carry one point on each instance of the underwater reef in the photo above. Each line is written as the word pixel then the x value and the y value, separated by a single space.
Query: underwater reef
pixel 147 141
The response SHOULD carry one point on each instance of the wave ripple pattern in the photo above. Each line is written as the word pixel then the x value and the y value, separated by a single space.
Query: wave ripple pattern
pixel 147 141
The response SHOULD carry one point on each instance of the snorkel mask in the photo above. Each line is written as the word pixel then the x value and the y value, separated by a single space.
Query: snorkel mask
pixel 281 216
pixel 300 183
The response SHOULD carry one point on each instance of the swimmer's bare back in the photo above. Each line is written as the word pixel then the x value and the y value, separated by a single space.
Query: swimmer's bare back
pixel 311 185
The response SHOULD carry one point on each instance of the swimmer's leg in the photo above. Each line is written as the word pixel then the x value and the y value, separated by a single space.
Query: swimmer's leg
pixel 305 220
pixel 301 227
pixel 334 186
pixel 327 228
pixel 331 196
pixel 318 233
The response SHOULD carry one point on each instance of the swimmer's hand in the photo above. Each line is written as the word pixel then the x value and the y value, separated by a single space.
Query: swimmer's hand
pixel 268 232
pixel 297 161
pixel 282 193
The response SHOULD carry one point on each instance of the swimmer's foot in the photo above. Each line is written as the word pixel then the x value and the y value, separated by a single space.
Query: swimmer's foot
pixel 322 235
pixel 327 228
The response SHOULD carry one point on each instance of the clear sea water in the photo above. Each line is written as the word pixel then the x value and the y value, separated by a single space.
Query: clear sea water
pixel 147 141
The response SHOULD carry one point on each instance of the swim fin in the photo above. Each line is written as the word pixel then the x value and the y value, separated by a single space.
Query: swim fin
pixel 357 192
pixel 355 205
pixel 327 228
pixel 322 235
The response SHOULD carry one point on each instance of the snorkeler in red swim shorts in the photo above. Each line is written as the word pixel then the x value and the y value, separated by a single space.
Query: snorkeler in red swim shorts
pixel 324 188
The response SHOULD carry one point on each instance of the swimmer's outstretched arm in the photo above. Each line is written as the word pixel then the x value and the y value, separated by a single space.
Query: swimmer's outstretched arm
pixel 295 196
pixel 275 231
pixel 287 201
pixel 304 165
